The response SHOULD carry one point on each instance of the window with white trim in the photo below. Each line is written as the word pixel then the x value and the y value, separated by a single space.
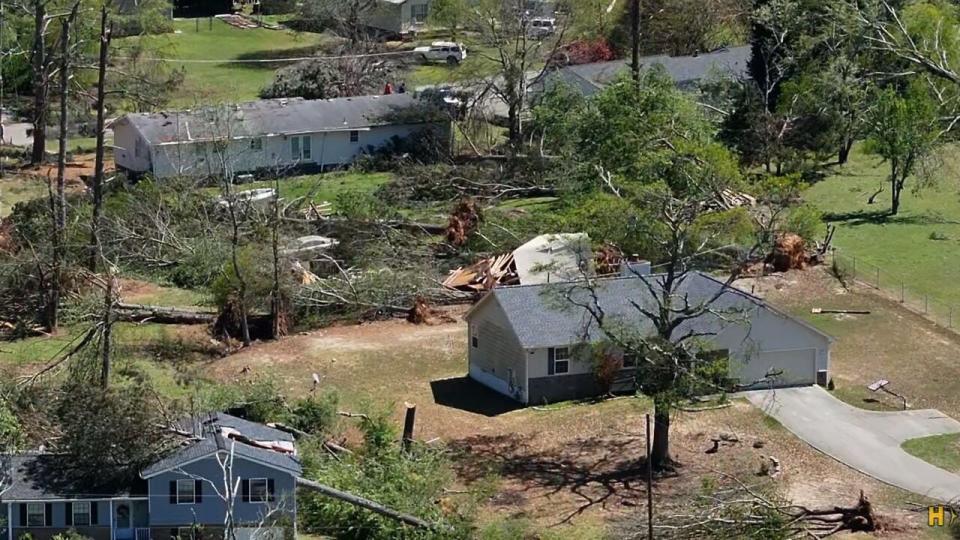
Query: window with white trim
pixel 81 513
pixel 186 491
pixel 259 492
pixel 561 360
pixel 36 515
pixel 354 136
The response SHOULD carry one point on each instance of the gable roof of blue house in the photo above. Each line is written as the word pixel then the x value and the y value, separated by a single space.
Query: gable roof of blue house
pixel 219 433
pixel 38 477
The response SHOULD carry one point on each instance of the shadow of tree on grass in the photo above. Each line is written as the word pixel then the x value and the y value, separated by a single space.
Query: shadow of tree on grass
pixel 599 471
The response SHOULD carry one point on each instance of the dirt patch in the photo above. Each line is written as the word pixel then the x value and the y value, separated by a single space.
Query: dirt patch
pixel 77 170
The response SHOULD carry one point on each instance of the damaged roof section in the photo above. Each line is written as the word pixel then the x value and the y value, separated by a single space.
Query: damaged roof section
pixel 213 433
pixel 548 258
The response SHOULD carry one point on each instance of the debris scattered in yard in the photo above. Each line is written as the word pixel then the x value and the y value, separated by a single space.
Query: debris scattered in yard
pixel 484 275
pixel 250 197
pixel 304 246
pixel 540 260
pixel 245 23
pixel 728 199
pixel 819 311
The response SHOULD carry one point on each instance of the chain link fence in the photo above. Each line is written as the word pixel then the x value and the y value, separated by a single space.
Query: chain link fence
pixel 849 268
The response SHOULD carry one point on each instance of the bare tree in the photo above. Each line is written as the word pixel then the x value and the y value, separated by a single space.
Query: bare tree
pixel 40 58
pixel 516 50
pixel 106 31
pixel 59 204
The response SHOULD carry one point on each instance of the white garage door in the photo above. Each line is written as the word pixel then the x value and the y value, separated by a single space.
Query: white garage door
pixel 795 367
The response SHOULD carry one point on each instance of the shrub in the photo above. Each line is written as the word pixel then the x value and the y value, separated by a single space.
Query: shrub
pixel 11 434
pixel 414 482
pixel 316 414
pixel 806 221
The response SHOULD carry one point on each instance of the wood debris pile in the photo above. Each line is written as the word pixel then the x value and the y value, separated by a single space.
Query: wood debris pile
pixel 491 272
pixel 608 260
pixel 484 274
pixel 318 211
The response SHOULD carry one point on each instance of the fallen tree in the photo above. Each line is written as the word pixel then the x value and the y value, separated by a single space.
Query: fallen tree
pixel 163 315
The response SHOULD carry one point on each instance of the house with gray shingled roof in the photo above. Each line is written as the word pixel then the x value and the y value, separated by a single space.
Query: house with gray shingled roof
pixel 271 134
pixel 686 71
pixel 181 496
pixel 526 342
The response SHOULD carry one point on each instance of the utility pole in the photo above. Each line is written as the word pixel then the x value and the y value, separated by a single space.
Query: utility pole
pixel 98 181
pixel 649 485
pixel 635 34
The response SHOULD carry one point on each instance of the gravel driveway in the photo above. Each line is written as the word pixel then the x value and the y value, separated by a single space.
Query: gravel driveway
pixel 868 441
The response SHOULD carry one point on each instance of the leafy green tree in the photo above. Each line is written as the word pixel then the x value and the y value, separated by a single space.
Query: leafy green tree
pixel 448 14
pixel 109 434
pixel 904 131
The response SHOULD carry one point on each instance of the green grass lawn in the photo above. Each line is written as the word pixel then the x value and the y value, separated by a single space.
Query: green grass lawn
pixel 940 450
pixel 321 187
pixel 159 353
pixel 921 245
pixel 225 82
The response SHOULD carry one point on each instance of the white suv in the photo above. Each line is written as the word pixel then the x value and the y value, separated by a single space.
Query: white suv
pixel 443 51
pixel 541 27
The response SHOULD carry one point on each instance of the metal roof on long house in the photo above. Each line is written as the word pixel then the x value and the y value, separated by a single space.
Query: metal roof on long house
pixel 267 117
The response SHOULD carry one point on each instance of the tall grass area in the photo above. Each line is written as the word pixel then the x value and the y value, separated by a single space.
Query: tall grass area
pixel 201 39
pixel 920 245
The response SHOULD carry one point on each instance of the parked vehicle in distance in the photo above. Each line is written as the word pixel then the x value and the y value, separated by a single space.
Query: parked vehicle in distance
pixel 541 27
pixel 443 51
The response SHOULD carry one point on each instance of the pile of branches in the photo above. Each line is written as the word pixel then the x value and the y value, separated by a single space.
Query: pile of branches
pixel 371 294
pixel 742 511
pixel 445 182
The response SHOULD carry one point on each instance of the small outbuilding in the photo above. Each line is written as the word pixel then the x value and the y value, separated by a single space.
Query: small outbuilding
pixel 526 341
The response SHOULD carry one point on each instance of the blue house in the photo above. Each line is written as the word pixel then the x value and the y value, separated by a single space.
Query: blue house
pixel 226 468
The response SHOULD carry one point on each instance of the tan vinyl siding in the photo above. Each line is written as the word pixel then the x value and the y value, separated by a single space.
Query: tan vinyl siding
pixel 497 350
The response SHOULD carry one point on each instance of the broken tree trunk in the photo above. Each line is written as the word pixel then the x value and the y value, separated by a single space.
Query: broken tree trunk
pixel 162 315
pixel 356 500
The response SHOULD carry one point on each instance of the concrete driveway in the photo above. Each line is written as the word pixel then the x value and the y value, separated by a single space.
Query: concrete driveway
pixel 868 441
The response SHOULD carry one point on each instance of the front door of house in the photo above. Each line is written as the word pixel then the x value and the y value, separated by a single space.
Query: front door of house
pixel 123 522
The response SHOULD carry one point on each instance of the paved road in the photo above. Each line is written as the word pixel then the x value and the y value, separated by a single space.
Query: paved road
pixel 868 441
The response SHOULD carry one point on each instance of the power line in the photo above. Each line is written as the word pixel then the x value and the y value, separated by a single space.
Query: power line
pixel 265 60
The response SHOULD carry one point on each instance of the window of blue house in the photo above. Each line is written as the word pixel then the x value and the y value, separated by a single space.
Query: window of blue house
pixel 186 491
pixel 258 490
pixel 36 515
pixel 81 513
